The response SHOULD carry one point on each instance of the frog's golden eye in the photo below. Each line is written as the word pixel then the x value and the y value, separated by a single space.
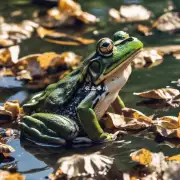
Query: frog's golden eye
pixel 105 47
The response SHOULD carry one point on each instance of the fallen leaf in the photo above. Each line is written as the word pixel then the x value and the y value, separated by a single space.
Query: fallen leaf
pixel 173 158
pixel 142 156
pixel 4 148
pixel 10 111
pixel 9 56
pixel 168 126
pixel 5 175
pixel 168 22
pixel 134 13
pixel 67 13
pixel 114 15
pixel 91 165
pixel 145 30
pixel 164 93
pixel 12 34
pixel 148 59
pixel 130 119
pixel 62 38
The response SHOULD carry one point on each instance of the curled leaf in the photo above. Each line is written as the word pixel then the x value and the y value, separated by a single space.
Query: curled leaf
pixel 164 93
pixel 148 58
pixel 130 119
pixel 168 126
pixel 84 166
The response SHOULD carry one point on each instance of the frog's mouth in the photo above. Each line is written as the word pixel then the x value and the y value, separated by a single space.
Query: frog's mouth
pixel 120 67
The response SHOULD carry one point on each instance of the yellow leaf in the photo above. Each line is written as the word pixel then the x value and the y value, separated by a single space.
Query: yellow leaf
pixel 174 158
pixel 142 156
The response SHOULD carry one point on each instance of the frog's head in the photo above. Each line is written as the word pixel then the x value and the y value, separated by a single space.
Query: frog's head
pixel 112 55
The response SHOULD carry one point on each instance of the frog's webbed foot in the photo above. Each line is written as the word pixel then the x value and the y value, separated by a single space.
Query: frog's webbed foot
pixel 48 128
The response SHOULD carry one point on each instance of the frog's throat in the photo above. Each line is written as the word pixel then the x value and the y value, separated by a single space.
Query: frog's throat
pixel 121 67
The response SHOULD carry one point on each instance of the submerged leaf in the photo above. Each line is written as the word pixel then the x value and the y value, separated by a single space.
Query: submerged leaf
pixel 84 166
pixel 164 93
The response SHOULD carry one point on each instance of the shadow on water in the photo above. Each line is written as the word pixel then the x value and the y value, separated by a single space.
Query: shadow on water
pixel 37 162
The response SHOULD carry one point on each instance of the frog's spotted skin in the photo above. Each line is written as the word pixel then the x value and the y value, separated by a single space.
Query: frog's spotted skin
pixel 74 105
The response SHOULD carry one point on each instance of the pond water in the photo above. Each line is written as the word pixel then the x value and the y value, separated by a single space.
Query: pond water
pixel 35 162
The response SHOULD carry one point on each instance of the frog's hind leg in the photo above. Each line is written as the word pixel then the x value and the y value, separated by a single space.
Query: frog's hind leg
pixel 48 128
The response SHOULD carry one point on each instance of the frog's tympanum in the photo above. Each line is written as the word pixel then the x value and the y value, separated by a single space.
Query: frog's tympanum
pixel 74 105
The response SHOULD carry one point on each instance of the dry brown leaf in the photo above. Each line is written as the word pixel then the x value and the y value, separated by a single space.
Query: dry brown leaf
pixel 168 126
pixel 12 34
pixel 114 15
pixel 164 93
pixel 55 37
pixel 9 56
pixel 10 111
pixel 169 21
pixel 5 175
pixel 142 156
pixel 83 166
pixel 148 58
pixel 130 119
pixel 74 9
pixel 144 29
pixel 173 158
pixel 4 148
pixel 134 13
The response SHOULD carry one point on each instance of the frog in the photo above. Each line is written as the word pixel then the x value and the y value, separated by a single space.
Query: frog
pixel 74 106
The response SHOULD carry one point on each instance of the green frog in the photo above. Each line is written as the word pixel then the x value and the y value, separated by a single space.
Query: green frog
pixel 73 106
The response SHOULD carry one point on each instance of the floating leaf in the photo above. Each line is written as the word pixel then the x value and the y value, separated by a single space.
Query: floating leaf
pixel 144 29
pixel 5 175
pixel 168 126
pixel 130 119
pixel 135 13
pixel 84 166
pixel 164 93
pixel 12 34
pixel 9 56
pixel 67 13
pixel 62 38
pixel 130 13
pixel 10 111
pixel 173 158
pixel 168 22
pixel 142 156
pixel 4 148
pixel 148 58
pixel 114 15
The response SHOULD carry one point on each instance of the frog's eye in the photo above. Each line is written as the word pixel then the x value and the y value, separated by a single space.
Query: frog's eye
pixel 105 47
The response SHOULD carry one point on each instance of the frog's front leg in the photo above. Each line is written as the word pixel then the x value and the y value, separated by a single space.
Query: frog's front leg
pixel 117 105
pixel 89 120
pixel 49 128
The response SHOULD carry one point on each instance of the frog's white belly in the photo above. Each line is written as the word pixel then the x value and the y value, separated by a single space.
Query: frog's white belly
pixel 113 85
